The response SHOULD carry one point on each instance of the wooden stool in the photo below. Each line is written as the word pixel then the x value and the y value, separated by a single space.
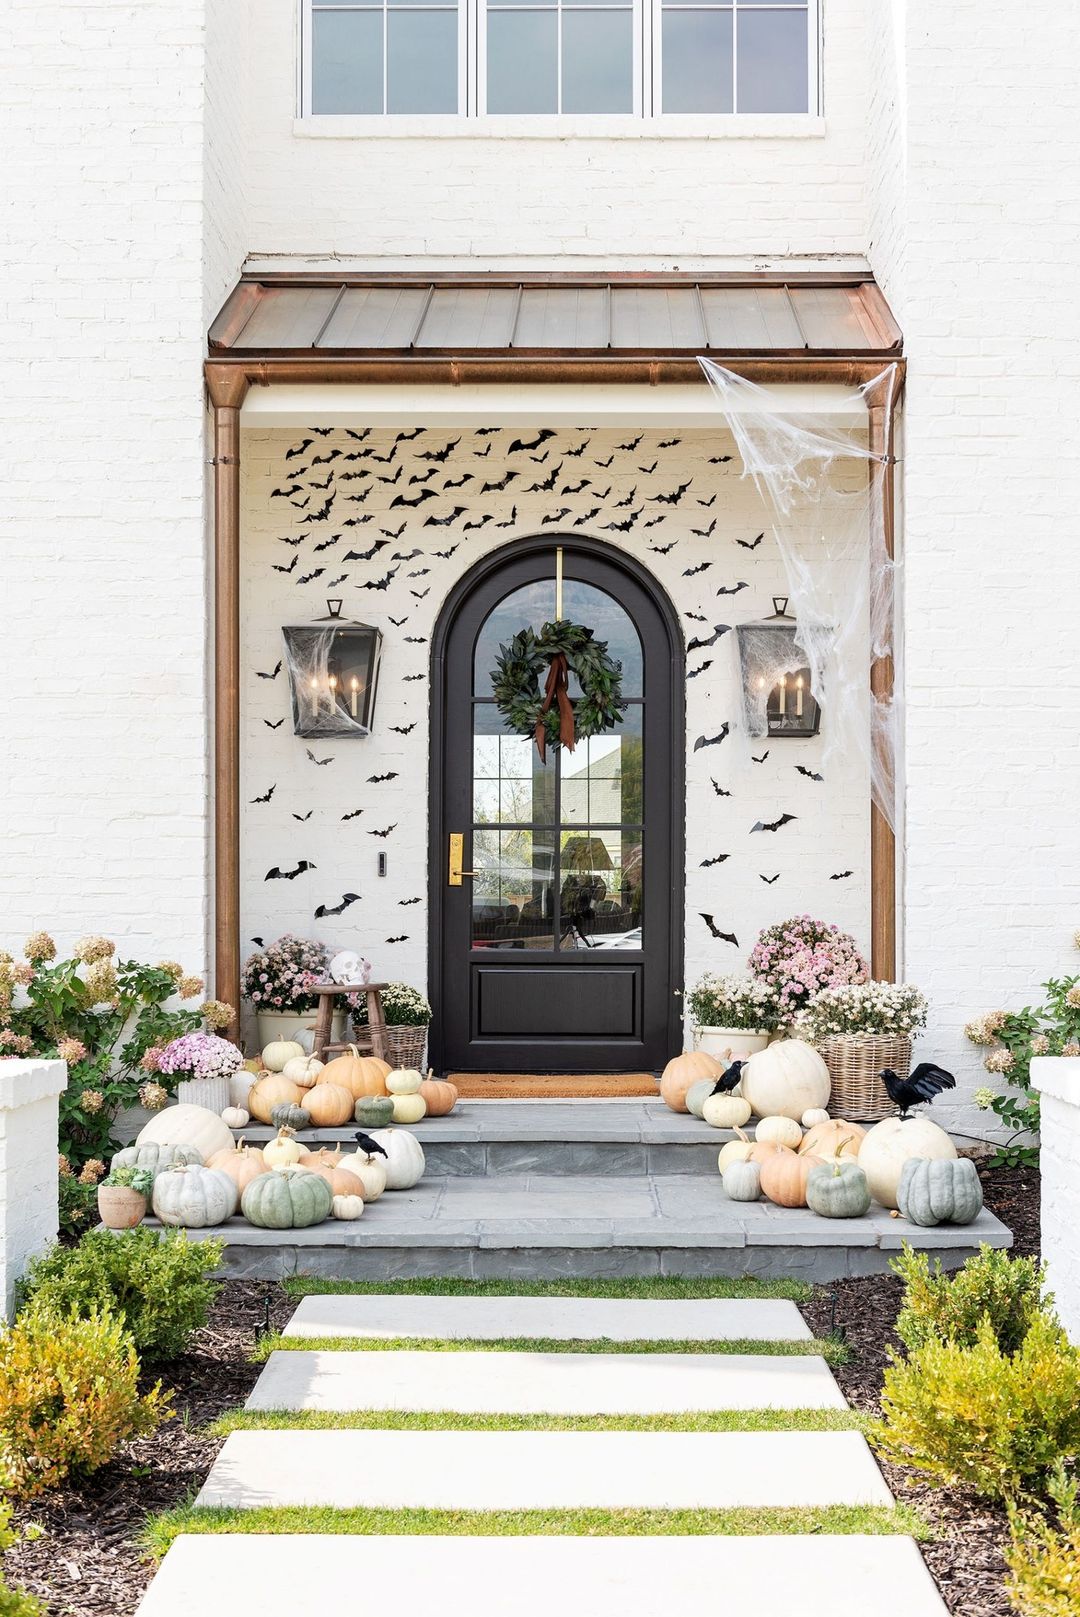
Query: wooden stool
pixel 373 1036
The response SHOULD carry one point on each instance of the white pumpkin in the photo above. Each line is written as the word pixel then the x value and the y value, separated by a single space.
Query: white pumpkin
pixel 303 1070
pixel 239 1084
pixel 814 1114
pixel 371 1172
pixel 786 1079
pixel 409 1108
pixel 235 1117
pixel 283 1151
pixel 194 1198
pixel 405 1081
pixel 404 1157
pixel 277 1054
pixel 349 1207
pixel 778 1131
pixel 725 1111
pixel 891 1143
pixel 187 1125
pixel 735 1151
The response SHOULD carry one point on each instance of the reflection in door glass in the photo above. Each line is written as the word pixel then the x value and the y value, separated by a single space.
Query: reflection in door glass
pixel 510 784
pixel 601 778
pixel 600 894
pixel 513 889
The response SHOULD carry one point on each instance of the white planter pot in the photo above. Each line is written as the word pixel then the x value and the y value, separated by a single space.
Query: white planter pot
pixel 213 1093
pixel 742 1042
pixel 274 1025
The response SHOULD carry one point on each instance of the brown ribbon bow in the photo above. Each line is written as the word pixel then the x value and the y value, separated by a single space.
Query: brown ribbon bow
pixel 556 691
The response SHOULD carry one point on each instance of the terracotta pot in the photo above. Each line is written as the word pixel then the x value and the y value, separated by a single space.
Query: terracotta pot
pixel 120 1207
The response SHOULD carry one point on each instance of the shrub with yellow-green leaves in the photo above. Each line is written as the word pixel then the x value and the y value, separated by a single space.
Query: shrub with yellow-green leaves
pixel 978 1418
pixel 69 1396
pixel 1044 1559
pixel 1006 1291
pixel 13 1602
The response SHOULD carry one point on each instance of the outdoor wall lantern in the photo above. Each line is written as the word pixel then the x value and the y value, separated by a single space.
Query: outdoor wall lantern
pixel 333 674
pixel 777 699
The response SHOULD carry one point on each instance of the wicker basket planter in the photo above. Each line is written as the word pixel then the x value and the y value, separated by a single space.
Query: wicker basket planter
pixel 405 1046
pixel 854 1061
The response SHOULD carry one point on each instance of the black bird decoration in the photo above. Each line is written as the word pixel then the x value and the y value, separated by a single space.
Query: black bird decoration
pixel 276 874
pixel 925 1082
pixel 773 825
pixel 728 1079
pixel 369 1146
pixel 713 741
pixel 336 909
pixel 725 937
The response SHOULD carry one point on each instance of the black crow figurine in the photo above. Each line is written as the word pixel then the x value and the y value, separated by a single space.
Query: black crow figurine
pixel 368 1145
pixel 728 1079
pixel 925 1082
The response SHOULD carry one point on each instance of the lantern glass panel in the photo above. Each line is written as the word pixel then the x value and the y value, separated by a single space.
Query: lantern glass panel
pixel 777 699
pixel 333 676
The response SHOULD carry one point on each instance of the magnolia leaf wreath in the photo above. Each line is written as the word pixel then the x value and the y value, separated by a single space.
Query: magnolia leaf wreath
pixel 559 650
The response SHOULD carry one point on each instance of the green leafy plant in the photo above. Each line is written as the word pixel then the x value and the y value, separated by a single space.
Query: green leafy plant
pixel 733 1001
pixel 1012 1039
pixel 157 1286
pixel 77 1205
pixel 1044 1557
pixel 991 1286
pixel 975 1417
pixel 69 1396
pixel 14 1602
pixel 139 1179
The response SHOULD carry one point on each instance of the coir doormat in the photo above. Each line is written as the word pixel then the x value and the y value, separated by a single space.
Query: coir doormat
pixel 553 1086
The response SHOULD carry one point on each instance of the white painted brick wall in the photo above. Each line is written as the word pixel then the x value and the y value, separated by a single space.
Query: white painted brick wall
pixel 1058 1081
pixel 29 1126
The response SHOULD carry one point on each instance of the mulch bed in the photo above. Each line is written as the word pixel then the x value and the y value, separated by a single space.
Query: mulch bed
pixel 83 1556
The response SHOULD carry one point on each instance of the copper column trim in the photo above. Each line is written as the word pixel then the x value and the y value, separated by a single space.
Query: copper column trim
pixel 881 400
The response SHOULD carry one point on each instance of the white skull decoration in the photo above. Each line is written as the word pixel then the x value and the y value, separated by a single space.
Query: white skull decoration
pixel 349 967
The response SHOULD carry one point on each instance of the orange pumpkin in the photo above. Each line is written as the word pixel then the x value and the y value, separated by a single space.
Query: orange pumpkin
pixel 242 1163
pixel 825 1139
pixel 271 1091
pixel 681 1072
pixel 329 1105
pixel 439 1095
pixel 784 1175
pixel 340 1180
pixel 360 1075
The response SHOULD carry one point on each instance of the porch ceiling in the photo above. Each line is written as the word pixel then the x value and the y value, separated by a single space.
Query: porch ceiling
pixel 336 319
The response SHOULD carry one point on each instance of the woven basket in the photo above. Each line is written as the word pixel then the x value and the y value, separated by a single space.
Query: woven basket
pixel 404 1045
pixel 854 1061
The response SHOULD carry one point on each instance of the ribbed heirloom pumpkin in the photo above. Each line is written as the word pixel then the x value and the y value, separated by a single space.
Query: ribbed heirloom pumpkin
pixel 287 1199
pixel 187 1125
pixel 360 1075
pixel 939 1192
pixel 784 1174
pixel 837 1189
pixel 329 1105
pixel 194 1198
pixel 890 1143
pixel 373 1111
pixel 156 1158
pixel 288 1116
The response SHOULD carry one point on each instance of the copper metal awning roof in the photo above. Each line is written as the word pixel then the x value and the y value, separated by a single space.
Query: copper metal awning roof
pixel 337 318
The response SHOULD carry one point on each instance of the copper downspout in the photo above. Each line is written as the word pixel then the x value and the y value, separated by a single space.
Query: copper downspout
pixel 881 398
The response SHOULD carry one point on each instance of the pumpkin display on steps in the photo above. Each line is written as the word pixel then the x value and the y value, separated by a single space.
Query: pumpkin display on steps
pixel 404 1157
pixel 370 1169
pixel 329 1105
pixel 890 1143
pixel 742 1181
pixel 187 1125
pixel 373 1111
pixel 360 1075
pixel 837 1189
pixel 827 1139
pixel 681 1072
pixel 289 1116
pixel 409 1108
pixel 271 1091
pixel 276 1056
pixel 786 1079
pixel 156 1158
pixel 287 1199
pixel 194 1198
pixel 282 1152
pixel 941 1191
pixel 439 1095
pixel 241 1164
pixel 784 1175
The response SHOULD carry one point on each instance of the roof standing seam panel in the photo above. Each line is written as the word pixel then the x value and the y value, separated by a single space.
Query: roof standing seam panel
pixel 375 317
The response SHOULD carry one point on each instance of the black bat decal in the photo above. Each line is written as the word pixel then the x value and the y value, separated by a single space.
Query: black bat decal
pixel 323 512
pixel 424 477
pixel 407 437
pixel 692 673
pixel 400 555
pixel 323 432
pixel 556 516
pixel 300 504
pixel 391 480
pixel 547 484
pixel 719 631
pixel 336 909
pixel 801 769
pixel 298 449
pixel 273 724
pixel 485 432
pixel 285 540
pixel 366 555
pixel 719 460
pixel 319 761
pixel 519 443
pixel 284 493
pixel 471 527
pixel 397 622
pixel 390 533
pixel 768 880
pixel 761 760
pixel 457 482
pixel 385 460
pixel 324 460
pixel 773 825
pixel 412 678
pixel 604 464
pixel 669 443
pixel 632 445
pixel 725 937
pixel 279 569
pixel 648 470
pixel 316 484
pixel 403 729
pixel 384 833
pixel 732 589
pixel 265 798
pixel 374 780
pixel 276 671
pixel 380 583
pixel 718 789
pixel 482 454
pixel 276 874
pixel 442 522
pixel 696 617
pixel 588 516
pixel 444 555
pixel 511 519
pixel 352 815
pixel 576 488
pixel 622 527
pixel 405 902
pixel 440 454
pixel 622 505
pixel 710 501
pixel 841 875
pixel 358 522
pixel 416 639
pixel 495 488
pixel 259 941
pixel 402 937
pixel 334 582
pixel 713 741
pixel 750 544
pixel 308 578
pixel 655 521
pixel 334 539
pixel 717 859
pixel 303 817
pixel 421 572
pixel 692 572
pixel 674 497
pixel 419 595
pixel 705 533
pixel 665 550
pixel 581 448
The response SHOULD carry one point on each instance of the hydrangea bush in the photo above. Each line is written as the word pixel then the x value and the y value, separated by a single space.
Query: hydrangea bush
pixel 800 957
pixel 733 1001
pixel 891 1010
pixel 281 978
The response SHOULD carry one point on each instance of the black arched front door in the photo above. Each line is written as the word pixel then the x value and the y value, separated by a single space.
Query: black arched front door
pixel 561 949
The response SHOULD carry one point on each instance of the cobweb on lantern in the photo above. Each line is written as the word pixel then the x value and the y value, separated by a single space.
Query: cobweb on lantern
pixel 829 525
pixel 329 676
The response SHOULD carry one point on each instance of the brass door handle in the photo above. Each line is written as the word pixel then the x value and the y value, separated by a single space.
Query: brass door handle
pixel 454 872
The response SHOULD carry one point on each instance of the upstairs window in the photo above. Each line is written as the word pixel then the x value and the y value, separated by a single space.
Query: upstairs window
pixel 524 58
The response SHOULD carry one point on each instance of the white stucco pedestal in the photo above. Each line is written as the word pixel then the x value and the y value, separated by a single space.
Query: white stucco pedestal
pixel 29 1124
pixel 1057 1079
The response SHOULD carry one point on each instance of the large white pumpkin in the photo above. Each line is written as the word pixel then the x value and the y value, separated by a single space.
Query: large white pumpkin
pixel 891 1143
pixel 187 1125
pixel 404 1157
pixel 193 1198
pixel 786 1080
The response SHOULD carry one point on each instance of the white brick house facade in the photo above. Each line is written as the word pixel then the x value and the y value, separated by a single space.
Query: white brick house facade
pixel 151 151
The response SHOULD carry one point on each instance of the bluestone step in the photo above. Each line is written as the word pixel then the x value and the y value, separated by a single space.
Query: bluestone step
pixel 544 1383
pixel 219 1576
pixel 619 1319
pixel 544 1470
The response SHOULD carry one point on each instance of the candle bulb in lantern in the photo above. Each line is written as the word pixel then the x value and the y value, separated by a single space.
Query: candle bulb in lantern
pixel 332 688
pixel 314 699
pixel 354 689
pixel 783 694
pixel 798 697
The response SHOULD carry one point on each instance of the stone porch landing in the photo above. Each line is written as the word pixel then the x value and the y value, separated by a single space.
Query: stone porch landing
pixel 548 1190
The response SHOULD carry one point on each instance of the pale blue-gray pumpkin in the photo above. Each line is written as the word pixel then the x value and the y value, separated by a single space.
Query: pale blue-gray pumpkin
pixel 157 1157
pixel 698 1094
pixel 742 1181
pixel 837 1189
pixel 939 1192
pixel 287 1199
pixel 289 1116
pixel 374 1111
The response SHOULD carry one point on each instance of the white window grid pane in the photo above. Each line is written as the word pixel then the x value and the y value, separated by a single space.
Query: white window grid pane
pixel 459 8
pixel 732 8
pixel 559 8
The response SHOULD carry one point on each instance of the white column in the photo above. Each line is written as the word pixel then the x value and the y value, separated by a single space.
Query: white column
pixel 29 1127
pixel 1057 1078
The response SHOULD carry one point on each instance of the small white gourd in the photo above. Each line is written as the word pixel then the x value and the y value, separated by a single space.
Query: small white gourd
pixel 194 1198
pixel 348 1207
pixel 814 1114
pixel 235 1117
pixel 275 1055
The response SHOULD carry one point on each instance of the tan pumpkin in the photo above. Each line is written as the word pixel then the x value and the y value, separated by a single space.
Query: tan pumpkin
pixel 326 1164
pixel 439 1096
pixel 329 1105
pixel 784 1174
pixel 273 1091
pixel 681 1072
pixel 242 1164
pixel 826 1139
pixel 360 1075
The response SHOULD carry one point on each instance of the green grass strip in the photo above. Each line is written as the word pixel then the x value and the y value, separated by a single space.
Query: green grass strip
pixel 832 1351
pixel 446 1420
pixel 672 1288
pixel 161 1530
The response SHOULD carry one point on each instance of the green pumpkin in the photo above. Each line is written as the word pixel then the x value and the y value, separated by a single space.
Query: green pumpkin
pixel 287 1199
pixel 945 1191
pixel 289 1116
pixel 374 1111
pixel 837 1189
pixel 156 1158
